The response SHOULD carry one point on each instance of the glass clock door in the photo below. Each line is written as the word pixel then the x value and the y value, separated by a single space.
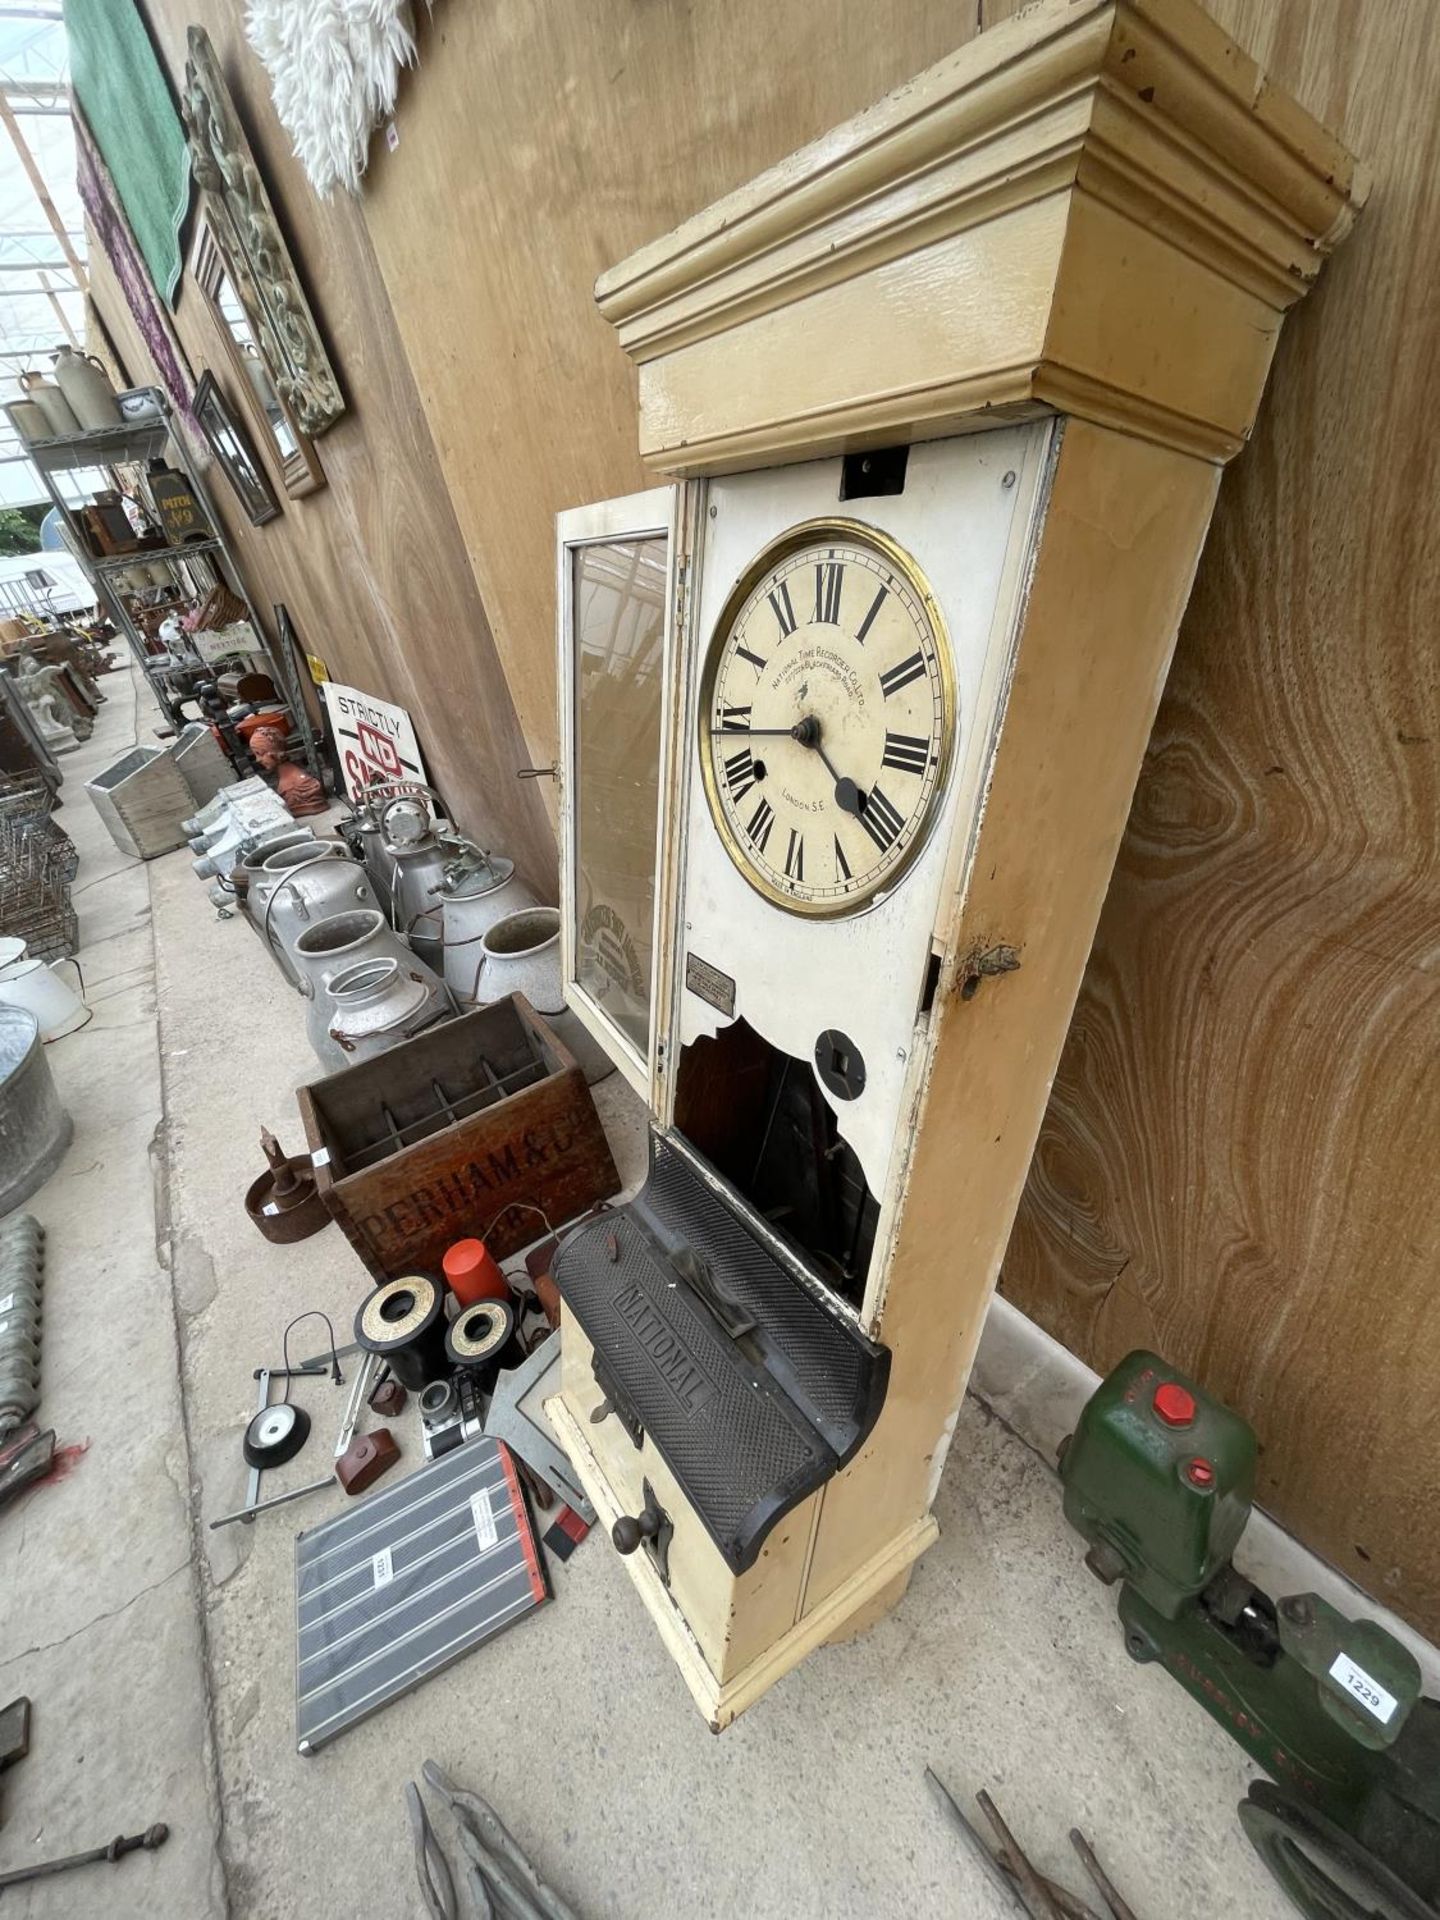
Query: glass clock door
pixel 615 593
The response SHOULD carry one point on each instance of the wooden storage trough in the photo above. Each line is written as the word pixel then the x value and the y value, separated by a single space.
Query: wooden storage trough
pixel 436 1139
pixel 142 799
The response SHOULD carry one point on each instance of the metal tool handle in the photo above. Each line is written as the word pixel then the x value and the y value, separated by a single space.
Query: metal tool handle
pixel 994 1872
pixel 437 1884
pixel 1104 1885
pixel 359 1388
pixel 147 1842
pixel 276 1500
pixel 122 1844
pixel 1034 1892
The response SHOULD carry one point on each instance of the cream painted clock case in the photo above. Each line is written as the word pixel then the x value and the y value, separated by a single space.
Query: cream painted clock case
pixel 851 714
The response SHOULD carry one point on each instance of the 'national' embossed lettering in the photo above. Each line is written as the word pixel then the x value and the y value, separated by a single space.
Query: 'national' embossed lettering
pixel 665 1350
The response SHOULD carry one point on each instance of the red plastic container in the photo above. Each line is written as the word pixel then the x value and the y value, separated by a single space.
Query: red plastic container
pixel 472 1274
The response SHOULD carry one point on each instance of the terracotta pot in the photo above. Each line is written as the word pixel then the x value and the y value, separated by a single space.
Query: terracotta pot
pixel 252 723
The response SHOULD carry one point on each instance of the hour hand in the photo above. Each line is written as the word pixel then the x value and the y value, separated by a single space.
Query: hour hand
pixel 848 796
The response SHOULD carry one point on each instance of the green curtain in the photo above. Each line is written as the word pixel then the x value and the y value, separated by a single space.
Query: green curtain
pixel 127 101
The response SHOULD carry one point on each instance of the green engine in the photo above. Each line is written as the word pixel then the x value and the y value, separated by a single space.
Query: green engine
pixel 1159 1479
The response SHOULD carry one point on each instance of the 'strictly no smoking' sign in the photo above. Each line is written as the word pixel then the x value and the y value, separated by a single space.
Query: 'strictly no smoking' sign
pixel 376 740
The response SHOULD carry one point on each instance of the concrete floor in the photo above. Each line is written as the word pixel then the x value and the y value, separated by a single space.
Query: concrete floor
pixel 164 1683
pixel 100 1598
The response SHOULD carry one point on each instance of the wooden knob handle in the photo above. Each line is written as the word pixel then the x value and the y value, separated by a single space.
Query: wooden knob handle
pixel 629 1530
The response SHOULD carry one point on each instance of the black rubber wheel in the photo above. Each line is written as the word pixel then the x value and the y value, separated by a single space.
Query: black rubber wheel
pixel 1322 1870
pixel 275 1435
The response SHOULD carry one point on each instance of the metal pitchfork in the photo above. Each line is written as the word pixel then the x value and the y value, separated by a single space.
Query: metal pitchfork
pixel 1016 1878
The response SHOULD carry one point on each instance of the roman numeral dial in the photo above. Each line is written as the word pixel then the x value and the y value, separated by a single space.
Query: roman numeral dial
pixel 906 752
pixel 740 773
pixel 827 718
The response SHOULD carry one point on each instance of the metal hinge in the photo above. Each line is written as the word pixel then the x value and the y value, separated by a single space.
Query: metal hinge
pixel 682 588
pixel 984 963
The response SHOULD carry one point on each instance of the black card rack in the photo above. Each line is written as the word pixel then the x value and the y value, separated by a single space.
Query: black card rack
pixel 753 1392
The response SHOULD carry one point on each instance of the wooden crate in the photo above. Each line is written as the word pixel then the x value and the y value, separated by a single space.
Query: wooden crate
pixel 434 1140
pixel 143 799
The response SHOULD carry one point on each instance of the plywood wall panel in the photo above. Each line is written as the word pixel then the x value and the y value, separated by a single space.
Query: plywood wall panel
pixel 540 142
pixel 1240 1164
pixel 373 567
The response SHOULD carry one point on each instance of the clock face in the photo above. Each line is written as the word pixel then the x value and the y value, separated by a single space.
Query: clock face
pixel 827 712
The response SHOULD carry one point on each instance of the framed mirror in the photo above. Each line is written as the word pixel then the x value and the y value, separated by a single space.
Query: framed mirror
pixel 277 432
pixel 231 447
pixel 258 259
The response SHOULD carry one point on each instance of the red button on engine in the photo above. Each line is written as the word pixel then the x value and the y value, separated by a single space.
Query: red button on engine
pixel 1200 1473
pixel 1174 1405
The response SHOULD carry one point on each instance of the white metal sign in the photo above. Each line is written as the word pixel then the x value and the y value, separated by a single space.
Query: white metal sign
pixel 376 741
pixel 483 1514
pixel 1372 1696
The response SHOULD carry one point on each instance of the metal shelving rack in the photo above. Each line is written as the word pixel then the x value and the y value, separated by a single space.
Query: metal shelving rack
pixel 195 566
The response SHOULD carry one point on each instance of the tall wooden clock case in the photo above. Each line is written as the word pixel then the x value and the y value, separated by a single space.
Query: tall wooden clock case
pixel 852 710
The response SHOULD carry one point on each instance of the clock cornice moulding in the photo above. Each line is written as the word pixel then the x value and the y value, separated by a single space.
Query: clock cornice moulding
pixel 1101 207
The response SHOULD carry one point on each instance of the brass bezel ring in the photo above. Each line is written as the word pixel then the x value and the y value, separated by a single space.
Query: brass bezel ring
pixel 807 533
pixel 382 1335
pixel 465 1345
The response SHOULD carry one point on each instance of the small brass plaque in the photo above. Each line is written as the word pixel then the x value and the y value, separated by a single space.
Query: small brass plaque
pixel 713 986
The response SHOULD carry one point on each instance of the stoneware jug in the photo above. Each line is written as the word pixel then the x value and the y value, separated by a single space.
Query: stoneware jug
pixel 522 955
pixel 87 390
pixel 12 949
pixel 474 899
pixel 28 420
pixel 59 417
pixel 57 1007
pixel 333 946
pixel 377 1005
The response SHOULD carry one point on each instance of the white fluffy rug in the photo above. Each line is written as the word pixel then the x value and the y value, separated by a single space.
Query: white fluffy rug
pixel 334 67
